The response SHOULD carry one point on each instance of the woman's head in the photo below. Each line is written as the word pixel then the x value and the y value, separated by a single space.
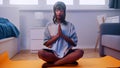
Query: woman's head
pixel 59 12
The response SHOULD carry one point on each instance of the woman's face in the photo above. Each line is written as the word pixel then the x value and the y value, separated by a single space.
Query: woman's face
pixel 59 14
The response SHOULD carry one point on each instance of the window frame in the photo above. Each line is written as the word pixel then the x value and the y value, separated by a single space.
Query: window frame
pixel 42 4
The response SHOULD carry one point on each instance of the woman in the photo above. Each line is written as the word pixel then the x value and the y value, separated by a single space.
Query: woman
pixel 60 37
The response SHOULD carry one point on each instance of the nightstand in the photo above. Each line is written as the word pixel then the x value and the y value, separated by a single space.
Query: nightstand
pixel 36 39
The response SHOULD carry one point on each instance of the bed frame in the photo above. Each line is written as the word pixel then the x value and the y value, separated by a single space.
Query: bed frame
pixel 10 45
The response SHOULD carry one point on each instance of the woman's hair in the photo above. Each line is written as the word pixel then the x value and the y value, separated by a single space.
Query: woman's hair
pixel 59 6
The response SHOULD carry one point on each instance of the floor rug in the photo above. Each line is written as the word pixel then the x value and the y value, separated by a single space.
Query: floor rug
pixel 103 62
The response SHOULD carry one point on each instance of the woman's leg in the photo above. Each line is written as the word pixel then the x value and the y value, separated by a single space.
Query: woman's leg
pixel 71 57
pixel 47 56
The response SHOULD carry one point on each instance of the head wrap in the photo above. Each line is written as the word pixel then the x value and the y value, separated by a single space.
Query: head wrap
pixel 60 6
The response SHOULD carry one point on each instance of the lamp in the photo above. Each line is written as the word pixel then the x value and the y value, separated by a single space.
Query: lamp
pixel 100 20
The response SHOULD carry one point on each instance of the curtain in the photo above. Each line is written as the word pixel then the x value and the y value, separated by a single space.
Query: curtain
pixel 114 4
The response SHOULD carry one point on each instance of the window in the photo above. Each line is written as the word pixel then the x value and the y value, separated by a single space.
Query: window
pixel 92 2
pixel 1 1
pixel 67 2
pixel 24 2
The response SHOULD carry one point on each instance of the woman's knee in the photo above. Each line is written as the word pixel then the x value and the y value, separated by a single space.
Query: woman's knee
pixel 79 53
pixel 47 56
pixel 41 53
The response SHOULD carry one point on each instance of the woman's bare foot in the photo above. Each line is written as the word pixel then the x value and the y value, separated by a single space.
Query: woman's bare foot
pixel 73 63
pixel 45 65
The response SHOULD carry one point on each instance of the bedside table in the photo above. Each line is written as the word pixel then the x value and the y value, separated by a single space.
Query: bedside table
pixel 36 39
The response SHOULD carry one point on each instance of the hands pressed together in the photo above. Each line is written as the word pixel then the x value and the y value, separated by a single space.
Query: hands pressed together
pixel 58 35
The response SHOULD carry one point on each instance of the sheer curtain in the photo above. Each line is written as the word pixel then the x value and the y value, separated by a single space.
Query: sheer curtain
pixel 114 4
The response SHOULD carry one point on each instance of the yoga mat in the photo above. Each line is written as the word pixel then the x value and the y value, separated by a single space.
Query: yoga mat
pixel 103 62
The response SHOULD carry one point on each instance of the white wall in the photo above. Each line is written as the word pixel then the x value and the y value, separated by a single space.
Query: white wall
pixel 83 17
pixel 84 21
pixel 11 13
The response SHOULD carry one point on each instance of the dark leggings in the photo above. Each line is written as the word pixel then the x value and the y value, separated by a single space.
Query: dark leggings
pixel 70 51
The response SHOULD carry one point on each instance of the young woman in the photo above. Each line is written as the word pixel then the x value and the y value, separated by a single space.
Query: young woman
pixel 60 36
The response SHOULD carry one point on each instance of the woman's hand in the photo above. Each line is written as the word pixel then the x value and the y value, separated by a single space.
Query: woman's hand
pixel 60 34
pixel 59 30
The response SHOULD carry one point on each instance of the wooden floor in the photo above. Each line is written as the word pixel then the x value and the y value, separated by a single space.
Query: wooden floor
pixel 27 55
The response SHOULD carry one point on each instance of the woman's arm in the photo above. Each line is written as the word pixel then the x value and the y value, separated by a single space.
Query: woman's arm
pixel 65 37
pixel 68 40
pixel 51 41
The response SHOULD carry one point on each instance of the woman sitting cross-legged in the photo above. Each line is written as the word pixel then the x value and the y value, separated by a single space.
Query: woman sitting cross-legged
pixel 60 37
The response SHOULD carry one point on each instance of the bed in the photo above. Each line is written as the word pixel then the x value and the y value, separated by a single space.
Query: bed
pixel 8 37
pixel 9 45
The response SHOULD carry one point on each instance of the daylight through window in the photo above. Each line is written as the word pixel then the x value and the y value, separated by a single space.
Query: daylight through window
pixel 92 2
pixel 24 2
pixel 1 1
pixel 67 2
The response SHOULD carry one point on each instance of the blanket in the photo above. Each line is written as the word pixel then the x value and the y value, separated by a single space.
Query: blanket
pixel 7 29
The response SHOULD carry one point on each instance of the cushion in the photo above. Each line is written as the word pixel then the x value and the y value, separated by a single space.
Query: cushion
pixel 111 41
